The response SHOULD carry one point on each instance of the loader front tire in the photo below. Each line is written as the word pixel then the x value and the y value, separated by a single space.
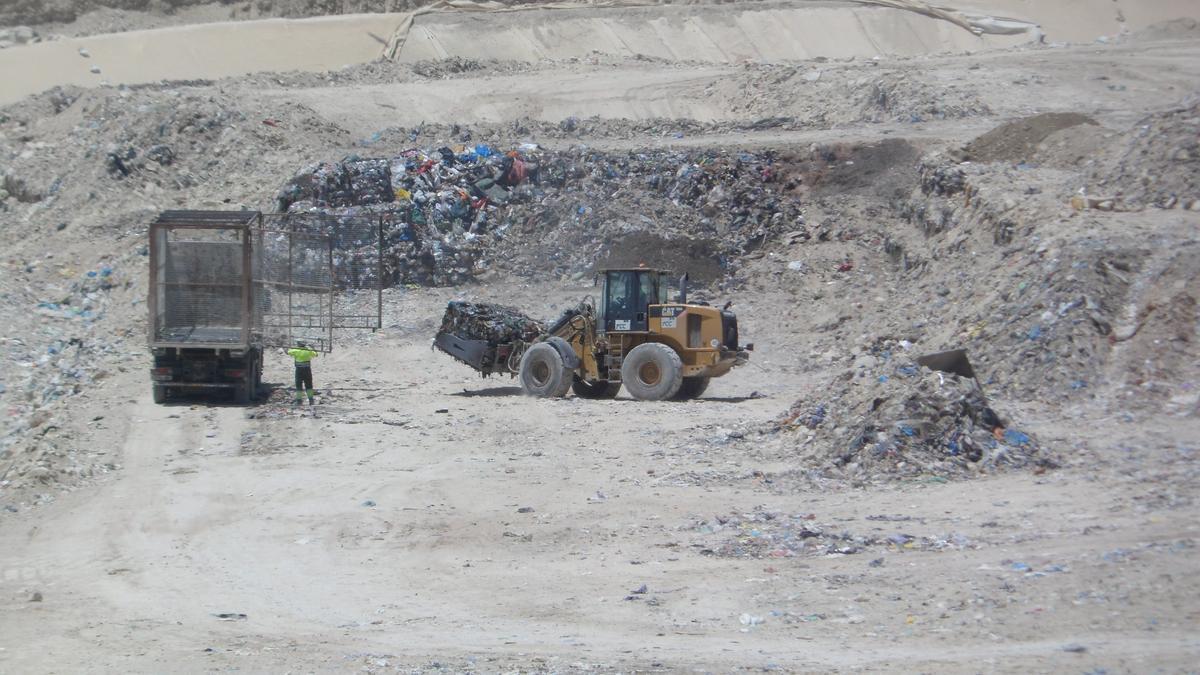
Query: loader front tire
pixel 596 390
pixel 543 373
pixel 652 372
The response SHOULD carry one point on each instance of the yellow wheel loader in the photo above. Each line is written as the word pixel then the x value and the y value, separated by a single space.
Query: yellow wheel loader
pixel 636 336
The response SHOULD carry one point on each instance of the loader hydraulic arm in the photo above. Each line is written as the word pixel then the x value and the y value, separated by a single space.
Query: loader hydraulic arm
pixel 578 327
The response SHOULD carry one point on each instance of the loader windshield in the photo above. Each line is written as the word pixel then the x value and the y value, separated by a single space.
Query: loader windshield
pixel 628 295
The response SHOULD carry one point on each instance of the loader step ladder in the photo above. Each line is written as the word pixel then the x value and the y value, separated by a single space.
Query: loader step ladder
pixel 615 357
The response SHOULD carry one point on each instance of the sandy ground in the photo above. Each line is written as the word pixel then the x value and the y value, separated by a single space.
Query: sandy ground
pixel 766 32
pixel 423 518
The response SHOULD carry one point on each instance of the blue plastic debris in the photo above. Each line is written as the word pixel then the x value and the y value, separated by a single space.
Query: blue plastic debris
pixel 883 378
pixel 817 417
pixel 1034 333
pixel 1014 437
pixel 907 430
pixel 1021 567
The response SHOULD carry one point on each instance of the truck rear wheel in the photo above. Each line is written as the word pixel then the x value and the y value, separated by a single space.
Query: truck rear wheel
pixel 543 373
pixel 692 387
pixel 256 388
pixel 652 372
pixel 597 389
pixel 160 393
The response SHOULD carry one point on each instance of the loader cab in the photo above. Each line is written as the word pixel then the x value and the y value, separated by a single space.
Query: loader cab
pixel 627 295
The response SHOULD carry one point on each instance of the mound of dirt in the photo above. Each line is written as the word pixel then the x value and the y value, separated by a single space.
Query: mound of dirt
pixel 700 258
pixel 903 420
pixel 62 11
pixel 1034 300
pixel 763 533
pixel 879 169
pixel 1183 28
pixel 1017 141
pixel 820 96
pixel 1074 147
pixel 1157 350
pixel 903 97
pixel 1158 164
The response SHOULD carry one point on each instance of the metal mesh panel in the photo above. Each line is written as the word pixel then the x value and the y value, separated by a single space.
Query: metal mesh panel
pixel 358 274
pixel 223 279
pixel 293 287
pixel 200 285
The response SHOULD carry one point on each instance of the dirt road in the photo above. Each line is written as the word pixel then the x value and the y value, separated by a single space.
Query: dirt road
pixel 422 516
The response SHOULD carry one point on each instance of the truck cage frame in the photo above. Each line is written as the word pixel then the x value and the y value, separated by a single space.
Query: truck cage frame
pixel 233 279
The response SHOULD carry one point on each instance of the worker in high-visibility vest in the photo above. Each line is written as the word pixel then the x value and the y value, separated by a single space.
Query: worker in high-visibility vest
pixel 303 357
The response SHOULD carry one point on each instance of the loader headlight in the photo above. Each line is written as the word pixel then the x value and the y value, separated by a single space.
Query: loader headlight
pixel 714 343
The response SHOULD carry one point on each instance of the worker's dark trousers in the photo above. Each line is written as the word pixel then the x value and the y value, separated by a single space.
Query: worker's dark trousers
pixel 303 379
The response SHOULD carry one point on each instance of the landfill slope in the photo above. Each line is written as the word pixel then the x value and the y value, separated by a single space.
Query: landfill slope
pixel 831 505
pixel 741 33
pixel 749 32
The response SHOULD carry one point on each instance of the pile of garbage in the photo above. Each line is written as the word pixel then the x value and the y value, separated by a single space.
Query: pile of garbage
pixel 440 204
pixel 772 534
pixel 496 324
pixel 1159 164
pixel 902 97
pixel 764 533
pixel 1043 320
pixel 459 210
pixel 53 365
pixel 901 419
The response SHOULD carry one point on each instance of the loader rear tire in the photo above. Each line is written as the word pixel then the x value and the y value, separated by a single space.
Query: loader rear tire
pixel 652 372
pixel 543 373
pixel 692 387
pixel 160 393
pixel 598 389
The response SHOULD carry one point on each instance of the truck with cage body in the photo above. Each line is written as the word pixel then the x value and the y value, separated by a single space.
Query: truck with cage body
pixel 227 285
